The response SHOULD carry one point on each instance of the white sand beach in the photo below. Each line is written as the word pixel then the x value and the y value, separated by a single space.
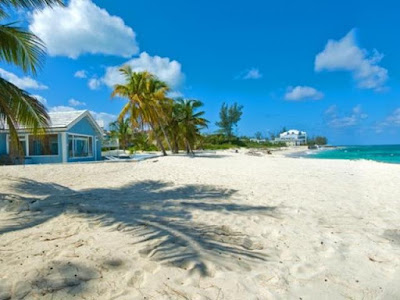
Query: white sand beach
pixel 220 226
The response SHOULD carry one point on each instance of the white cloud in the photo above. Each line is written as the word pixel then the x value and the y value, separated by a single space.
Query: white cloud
pixel 80 74
pixel 74 102
pixel 251 74
pixel 40 99
pixel 331 110
pixel 102 118
pixel 303 92
pixel 22 82
pixel 164 68
pixel 393 120
pixel 346 55
pixel 82 27
pixel 94 83
pixel 175 94
pixel 335 120
pixel 343 122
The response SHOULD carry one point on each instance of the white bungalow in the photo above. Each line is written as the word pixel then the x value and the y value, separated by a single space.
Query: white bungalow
pixel 293 137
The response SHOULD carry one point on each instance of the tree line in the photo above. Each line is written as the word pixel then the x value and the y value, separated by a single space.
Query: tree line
pixel 150 116
pixel 150 120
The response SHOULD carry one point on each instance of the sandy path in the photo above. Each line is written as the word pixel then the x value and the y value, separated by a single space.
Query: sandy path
pixel 230 226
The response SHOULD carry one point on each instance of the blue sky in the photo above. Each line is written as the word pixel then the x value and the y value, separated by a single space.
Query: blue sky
pixel 329 69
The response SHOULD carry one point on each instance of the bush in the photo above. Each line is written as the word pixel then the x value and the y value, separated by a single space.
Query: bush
pixel 318 140
pixel 219 139
pixel 219 146
pixel 148 147
pixel 221 142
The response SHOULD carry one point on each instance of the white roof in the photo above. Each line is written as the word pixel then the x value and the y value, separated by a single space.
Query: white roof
pixel 64 118
pixel 292 132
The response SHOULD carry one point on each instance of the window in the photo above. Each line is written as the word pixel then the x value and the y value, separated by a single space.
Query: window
pixel 43 145
pixel 22 141
pixel 80 146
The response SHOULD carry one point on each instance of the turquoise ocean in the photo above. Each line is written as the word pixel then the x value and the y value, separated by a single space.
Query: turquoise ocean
pixel 381 153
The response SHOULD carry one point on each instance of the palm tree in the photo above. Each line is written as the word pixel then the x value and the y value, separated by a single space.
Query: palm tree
pixel 121 130
pixel 25 50
pixel 161 105
pixel 146 99
pixel 189 121
pixel 173 125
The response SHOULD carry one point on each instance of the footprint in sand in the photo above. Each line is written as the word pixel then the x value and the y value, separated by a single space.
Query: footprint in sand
pixel 306 271
pixel 137 279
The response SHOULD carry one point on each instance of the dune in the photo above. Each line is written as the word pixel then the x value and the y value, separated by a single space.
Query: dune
pixel 222 226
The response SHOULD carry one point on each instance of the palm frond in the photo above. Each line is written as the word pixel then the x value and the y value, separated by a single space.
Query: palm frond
pixel 125 110
pixel 24 109
pixel 30 3
pixel 21 47
pixel 6 4
pixel 18 108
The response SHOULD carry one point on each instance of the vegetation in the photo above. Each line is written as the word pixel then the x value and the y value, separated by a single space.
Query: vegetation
pixel 141 142
pixel 229 118
pixel 151 115
pixel 26 51
pixel 221 142
pixel 317 140
pixel 122 131
pixel 258 135
pixel 147 102
pixel 185 124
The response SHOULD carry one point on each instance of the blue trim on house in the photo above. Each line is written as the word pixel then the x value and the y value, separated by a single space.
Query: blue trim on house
pixel 85 127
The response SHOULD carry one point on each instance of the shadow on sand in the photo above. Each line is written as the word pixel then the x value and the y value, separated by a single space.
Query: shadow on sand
pixel 207 155
pixel 158 214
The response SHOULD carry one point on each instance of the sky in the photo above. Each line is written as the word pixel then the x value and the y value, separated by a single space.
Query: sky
pixel 330 69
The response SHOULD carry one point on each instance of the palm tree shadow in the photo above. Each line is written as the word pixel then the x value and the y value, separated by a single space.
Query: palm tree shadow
pixel 158 214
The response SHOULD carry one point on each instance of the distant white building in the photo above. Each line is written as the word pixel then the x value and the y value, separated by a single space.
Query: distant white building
pixel 292 138
pixel 109 141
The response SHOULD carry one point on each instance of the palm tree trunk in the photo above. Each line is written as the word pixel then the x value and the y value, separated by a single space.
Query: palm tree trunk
pixel 159 143
pixel 165 136
pixel 188 148
pixel 176 146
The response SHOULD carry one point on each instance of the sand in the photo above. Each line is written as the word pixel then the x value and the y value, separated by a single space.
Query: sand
pixel 221 226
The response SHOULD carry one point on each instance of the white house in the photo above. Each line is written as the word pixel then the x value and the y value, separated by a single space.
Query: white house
pixel 293 137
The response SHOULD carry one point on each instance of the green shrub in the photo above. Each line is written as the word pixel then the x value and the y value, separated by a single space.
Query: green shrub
pixel 218 147
pixel 148 147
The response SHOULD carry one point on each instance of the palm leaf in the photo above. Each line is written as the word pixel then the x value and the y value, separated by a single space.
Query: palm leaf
pixel 4 4
pixel 18 108
pixel 21 47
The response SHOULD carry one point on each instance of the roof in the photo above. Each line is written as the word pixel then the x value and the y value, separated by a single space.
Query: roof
pixel 64 120
pixel 292 132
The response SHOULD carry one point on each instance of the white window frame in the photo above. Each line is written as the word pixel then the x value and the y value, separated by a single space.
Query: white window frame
pixel 25 137
pixel 73 145
pixel 49 155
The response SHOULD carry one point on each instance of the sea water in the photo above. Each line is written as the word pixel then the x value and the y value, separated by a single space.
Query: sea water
pixel 381 153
